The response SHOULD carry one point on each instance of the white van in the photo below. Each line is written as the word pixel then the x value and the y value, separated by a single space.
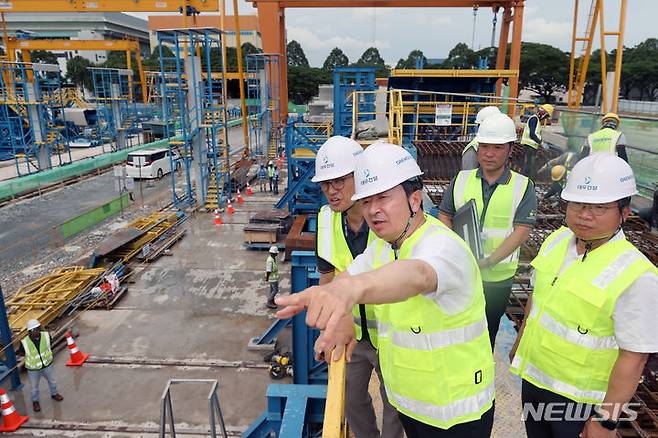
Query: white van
pixel 150 163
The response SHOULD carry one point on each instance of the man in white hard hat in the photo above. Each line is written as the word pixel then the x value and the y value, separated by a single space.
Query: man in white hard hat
pixel 432 338
pixel 272 275
pixel 470 152
pixel 38 361
pixel 342 235
pixel 591 321
pixel 506 204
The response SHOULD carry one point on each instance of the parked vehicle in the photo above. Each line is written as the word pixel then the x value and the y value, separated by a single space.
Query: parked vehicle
pixel 150 163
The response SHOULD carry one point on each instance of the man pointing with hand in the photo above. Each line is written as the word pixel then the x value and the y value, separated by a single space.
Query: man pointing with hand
pixel 433 343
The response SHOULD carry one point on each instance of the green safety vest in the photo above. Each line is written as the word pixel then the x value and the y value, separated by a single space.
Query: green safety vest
pixel 498 219
pixel 473 144
pixel 526 139
pixel 274 275
pixel 603 140
pixel 37 359
pixel 568 345
pixel 332 247
pixel 437 367
pixel 270 171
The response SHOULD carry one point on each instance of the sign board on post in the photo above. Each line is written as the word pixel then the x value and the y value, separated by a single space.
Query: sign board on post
pixel 443 115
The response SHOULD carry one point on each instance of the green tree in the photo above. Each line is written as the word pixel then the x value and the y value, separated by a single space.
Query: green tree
pixel 335 59
pixel 248 49
pixel 77 72
pixel 303 83
pixel 295 55
pixel 544 69
pixel 43 56
pixel 152 62
pixel 372 58
pixel 412 58
pixel 461 57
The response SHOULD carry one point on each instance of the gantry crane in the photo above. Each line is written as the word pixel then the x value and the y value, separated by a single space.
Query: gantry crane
pixel 128 46
pixel 577 75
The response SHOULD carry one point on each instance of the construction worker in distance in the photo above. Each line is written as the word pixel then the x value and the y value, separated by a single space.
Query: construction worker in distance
pixel 432 340
pixel 272 275
pixel 38 361
pixel 262 177
pixel 531 138
pixel 342 235
pixel 591 321
pixel 470 152
pixel 607 139
pixel 270 174
pixel 558 180
pixel 506 204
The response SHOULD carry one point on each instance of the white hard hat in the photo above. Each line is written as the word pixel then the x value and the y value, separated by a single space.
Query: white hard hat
pixel 598 179
pixel 33 324
pixel 274 249
pixel 496 129
pixel 381 167
pixel 336 158
pixel 485 112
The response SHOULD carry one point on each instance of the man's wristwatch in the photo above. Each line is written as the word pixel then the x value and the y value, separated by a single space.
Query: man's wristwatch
pixel 607 424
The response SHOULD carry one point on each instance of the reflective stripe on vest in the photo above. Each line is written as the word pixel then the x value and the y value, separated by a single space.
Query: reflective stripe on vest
pixel 437 367
pixel 526 139
pixel 569 345
pixel 37 359
pixel 473 144
pixel 498 220
pixel 603 140
pixel 332 247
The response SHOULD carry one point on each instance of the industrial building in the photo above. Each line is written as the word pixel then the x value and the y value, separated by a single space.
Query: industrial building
pixel 149 217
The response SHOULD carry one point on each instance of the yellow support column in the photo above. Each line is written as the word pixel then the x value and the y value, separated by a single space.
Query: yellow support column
pixel 243 102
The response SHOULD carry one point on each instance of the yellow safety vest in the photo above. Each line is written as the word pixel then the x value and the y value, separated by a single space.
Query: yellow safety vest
pixel 437 367
pixel 498 220
pixel 603 140
pixel 568 344
pixel 332 247
pixel 37 359
pixel 473 144
pixel 526 139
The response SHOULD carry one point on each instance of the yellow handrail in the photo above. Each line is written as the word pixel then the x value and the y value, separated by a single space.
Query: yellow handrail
pixel 334 425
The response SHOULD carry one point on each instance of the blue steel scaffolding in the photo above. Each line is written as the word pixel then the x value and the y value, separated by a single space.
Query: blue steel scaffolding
pixel 346 81
pixel 193 78
pixel 115 108
pixel 32 121
pixel 264 105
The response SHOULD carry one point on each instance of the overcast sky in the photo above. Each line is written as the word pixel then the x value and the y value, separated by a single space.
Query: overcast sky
pixel 397 31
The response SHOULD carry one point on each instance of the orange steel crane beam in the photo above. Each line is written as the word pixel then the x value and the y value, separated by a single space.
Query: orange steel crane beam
pixel 128 46
pixel 272 24
pixel 106 5
pixel 578 75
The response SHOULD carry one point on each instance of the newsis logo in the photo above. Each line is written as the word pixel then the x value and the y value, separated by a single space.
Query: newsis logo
pixel 326 164
pixel 588 185
pixel 367 178
pixel 561 411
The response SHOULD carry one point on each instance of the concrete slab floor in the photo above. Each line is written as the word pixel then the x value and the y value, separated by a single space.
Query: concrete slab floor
pixel 201 306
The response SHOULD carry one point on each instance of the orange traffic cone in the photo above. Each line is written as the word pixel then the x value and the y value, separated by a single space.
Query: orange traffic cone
pixel 249 191
pixel 217 217
pixel 77 357
pixel 11 419
pixel 229 207
pixel 240 198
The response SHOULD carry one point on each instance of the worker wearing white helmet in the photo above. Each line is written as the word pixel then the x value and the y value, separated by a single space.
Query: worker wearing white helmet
pixel 39 361
pixel 506 204
pixel 591 320
pixel 470 152
pixel 342 235
pixel 272 275
pixel 432 338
